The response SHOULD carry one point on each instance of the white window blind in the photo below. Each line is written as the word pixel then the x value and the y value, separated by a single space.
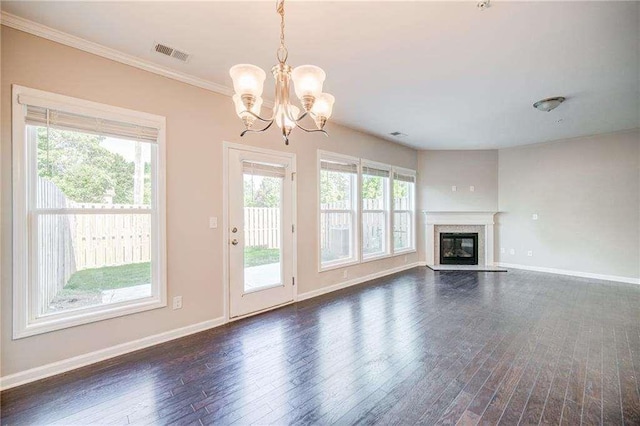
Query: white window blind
pixel 40 116
pixel 404 178
pixel 263 169
pixel 375 171
pixel 339 167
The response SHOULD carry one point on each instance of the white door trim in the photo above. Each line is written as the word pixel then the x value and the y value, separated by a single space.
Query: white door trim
pixel 225 220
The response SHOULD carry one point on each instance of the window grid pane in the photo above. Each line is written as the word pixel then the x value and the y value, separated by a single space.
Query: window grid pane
pixel 402 232
pixel 374 213
pixel 336 236
pixel 88 260
pixel 337 212
pixel 404 207
pixel 373 233
pixel 82 170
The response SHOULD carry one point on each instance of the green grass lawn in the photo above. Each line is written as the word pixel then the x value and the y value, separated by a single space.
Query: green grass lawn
pixel 256 256
pixel 110 277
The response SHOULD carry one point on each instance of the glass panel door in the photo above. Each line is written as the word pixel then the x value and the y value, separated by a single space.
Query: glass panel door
pixel 262 229
pixel 261 239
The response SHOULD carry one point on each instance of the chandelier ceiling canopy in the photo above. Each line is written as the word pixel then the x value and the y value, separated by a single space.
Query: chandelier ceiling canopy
pixel 248 83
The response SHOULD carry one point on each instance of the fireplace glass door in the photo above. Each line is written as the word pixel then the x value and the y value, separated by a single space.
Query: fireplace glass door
pixel 458 248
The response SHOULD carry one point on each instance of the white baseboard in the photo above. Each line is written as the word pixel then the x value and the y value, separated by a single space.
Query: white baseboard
pixel 93 357
pixel 628 280
pixel 69 364
pixel 63 366
pixel 355 281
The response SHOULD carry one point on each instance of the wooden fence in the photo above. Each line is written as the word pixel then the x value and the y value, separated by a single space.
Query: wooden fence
pixel 72 242
pixel 262 227
pixel 56 262
pixel 110 239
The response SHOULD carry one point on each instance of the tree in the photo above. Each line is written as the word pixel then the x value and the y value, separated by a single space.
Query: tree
pixel 334 186
pixel 84 170
pixel 267 192
pixel 371 187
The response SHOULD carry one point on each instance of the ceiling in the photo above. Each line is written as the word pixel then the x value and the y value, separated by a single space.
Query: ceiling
pixel 447 74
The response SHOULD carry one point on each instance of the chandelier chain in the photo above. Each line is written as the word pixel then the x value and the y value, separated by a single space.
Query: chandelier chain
pixel 282 50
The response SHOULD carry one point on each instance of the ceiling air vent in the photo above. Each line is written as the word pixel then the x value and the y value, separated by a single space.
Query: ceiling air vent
pixel 170 51
pixel 398 134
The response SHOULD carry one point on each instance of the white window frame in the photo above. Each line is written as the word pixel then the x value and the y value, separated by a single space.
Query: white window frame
pixel 412 211
pixel 388 249
pixel 25 320
pixel 355 217
pixel 390 210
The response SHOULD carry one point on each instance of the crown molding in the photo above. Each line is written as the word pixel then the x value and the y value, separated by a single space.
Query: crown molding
pixel 61 37
pixel 43 31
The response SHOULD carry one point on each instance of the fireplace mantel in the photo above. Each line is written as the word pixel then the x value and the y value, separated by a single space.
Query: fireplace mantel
pixel 434 218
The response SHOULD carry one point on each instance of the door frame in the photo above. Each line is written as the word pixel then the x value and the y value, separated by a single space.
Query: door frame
pixel 226 146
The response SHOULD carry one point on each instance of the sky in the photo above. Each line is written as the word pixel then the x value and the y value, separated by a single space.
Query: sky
pixel 126 148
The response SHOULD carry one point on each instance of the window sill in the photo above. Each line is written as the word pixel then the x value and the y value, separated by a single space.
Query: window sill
pixel 333 266
pixel 376 257
pixel 405 251
pixel 72 319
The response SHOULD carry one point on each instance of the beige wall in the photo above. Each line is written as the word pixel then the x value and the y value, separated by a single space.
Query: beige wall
pixel 440 170
pixel 198 121
pixel 586 192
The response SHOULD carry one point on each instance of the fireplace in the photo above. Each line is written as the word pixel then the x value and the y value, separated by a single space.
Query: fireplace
pixel 458 248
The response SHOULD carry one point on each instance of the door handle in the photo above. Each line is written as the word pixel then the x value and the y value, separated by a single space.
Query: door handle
pixel 234 242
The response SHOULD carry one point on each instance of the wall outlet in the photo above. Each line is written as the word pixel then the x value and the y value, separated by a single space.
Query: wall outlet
pixel 530 253
pixel 345 273
pixel 503 250
pixel 177 302
pixel 213 222
pixel 472 188
pixel 534 216
pixel 512 251
pixel 454 188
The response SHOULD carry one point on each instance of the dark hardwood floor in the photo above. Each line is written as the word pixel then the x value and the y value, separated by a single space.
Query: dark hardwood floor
pixel 416 347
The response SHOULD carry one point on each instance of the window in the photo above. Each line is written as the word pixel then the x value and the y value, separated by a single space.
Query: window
pixel 338 211
pixel 403 211
pixel 375 210
pixel 386 197
pixel 88 212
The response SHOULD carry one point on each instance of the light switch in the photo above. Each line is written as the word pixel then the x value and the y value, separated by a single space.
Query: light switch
pixel 213 222
pixel 534 216
pixel 472 188
pixel 454 188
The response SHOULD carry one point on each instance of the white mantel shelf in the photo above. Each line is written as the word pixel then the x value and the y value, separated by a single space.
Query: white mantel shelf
pixel 459 218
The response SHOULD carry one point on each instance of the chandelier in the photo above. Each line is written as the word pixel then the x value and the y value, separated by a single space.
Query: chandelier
pixel 248 81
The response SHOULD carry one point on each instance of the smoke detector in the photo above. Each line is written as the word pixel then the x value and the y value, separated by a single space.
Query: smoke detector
pixel 163 49
pixel 484 4
pixel 549 104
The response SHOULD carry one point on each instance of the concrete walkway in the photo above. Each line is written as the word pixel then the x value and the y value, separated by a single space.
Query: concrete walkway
pixel 255 278
pixel 126 293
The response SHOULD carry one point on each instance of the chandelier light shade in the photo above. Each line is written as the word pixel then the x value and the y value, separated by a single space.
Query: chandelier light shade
pixel 322 108
pixel 308 81
pixel 247 80
pixel 242 112
pixel 248 84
